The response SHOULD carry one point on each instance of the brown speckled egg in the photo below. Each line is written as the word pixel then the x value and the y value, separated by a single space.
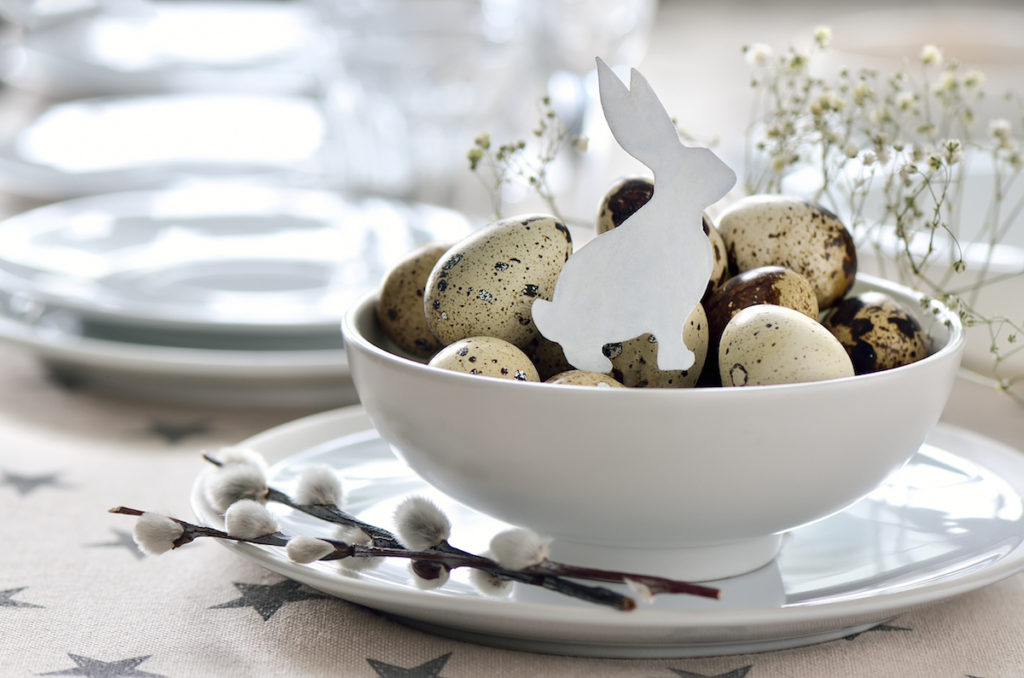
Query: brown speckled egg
pixel 877 332
pixel 635 362
pixel 773 230
pixel 769 344
pixel 400 306
pixel 547 356
pixel 582 378
pixel 486 283
pixel 763 285
pixel 630 194
pixel 488 357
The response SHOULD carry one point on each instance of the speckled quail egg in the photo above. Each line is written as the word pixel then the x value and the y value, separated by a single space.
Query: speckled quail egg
pixel 400 305
pixel 769 344
pixel 877 332
pixel 773 230
pixel 547 356
pixel 486 283
pixel 763 285
pixel 582 378
pixel 630 194
pixel 488 357
pixel 635 362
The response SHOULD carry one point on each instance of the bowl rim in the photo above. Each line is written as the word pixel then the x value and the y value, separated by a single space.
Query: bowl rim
pixel 355 340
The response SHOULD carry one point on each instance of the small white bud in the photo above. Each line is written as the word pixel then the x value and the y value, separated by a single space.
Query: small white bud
pixel 930 54
pixel 823 36
pixel 156 533
pixel 430 584
pixel 354 535
pixel 641 591
pixel 421 524
pixel 228 484
pixel 319 485
pixel 244 456
pixel 520 548
pixel 758 54
pixel 307 549
pixel 247 519
pixel 487 583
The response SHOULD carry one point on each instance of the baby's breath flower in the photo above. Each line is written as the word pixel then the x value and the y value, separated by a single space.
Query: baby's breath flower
pixel 758 54
pixel 1000 128
pixel 974 79
pixel 474 155
pixel 580 142
pixel 850 150
pixel 931 55
pixel 947 83
pixel 869 158
pixel 483 141
pixel 880 114
pixel 954 151
pixel 905 100
pixel 797 62
pixel 861 92
pixel 823 37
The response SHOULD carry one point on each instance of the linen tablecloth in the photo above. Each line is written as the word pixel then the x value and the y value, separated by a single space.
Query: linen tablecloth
pixel 78 598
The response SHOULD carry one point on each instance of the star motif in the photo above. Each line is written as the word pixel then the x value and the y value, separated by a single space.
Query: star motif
pixel 735 673
pixel 5 598
pixel 94 668
pixel 880 627
pixel 430 669
pixel 66 380
pixel 267 599
pixel 26 484
pixel 174 433
pixel 123 540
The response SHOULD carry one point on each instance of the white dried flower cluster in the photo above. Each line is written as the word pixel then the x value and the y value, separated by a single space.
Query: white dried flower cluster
pixel 891 150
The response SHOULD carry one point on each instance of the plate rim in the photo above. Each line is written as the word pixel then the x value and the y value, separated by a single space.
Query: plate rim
pixel 881 606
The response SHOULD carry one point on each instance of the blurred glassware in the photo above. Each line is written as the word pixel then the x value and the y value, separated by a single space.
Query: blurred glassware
pixel 167 46
pixel 108 144
pixel 411 83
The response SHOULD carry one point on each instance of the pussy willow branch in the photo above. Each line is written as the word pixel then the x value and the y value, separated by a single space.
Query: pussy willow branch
pixel 450 559
pixel 386 539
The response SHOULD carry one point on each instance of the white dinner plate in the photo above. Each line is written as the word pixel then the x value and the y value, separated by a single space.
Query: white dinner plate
pixel 179 265
pixel 107 144
pixel 273 375
pixel 950 521
pixel 170 46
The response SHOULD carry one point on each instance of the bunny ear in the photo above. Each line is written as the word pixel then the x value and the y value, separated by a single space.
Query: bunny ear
pixel 609 85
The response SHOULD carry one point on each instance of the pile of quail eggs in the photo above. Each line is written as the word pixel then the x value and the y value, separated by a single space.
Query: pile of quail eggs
pixel 777 308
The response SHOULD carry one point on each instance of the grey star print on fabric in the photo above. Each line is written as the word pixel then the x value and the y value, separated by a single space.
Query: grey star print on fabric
pixel 174 433
pixel 27 484
pixel 267 599
pixel 7 595
pixel 735 673
pixel 430 669
pixel 94 668
pixel 880 627
pixel 123 540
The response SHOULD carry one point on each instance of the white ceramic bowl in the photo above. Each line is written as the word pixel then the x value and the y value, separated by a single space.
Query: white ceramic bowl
pixel 691 483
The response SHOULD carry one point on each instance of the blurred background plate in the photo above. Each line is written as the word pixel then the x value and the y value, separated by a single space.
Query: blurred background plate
pixel 212 265
pixel 109 144
pixel 169 46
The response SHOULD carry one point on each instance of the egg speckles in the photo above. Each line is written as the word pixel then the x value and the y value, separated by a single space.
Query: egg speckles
pixel 877 332
pixel 486 284
pixel 487 357
pixel 763 285
pixel 763 230
pixel 630 194
pixel 769 344
pixel 635 362
pixel 400 306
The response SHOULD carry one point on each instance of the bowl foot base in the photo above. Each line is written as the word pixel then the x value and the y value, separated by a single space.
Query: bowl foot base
pixel 695 563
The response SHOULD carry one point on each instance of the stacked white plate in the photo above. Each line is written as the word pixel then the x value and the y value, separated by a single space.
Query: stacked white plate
pixel 226 294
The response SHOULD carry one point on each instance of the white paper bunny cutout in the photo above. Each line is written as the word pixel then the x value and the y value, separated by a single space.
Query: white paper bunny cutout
pixel 649 273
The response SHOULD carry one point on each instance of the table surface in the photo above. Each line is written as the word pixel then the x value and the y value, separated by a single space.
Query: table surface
pixel 78 598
